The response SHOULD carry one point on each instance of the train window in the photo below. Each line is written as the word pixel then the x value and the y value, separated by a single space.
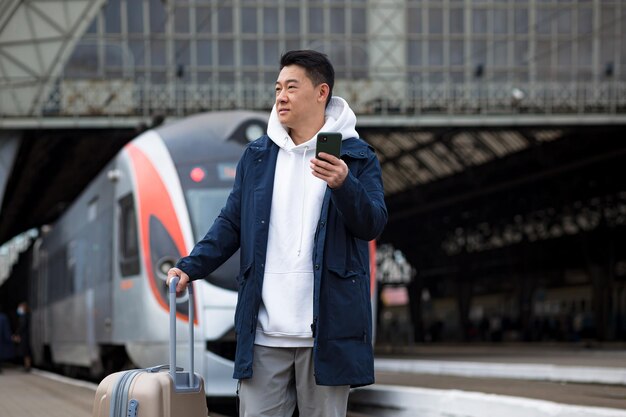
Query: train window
pixel 128 239
pixel 92 209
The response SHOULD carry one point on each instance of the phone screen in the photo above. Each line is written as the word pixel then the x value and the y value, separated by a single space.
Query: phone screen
pixel 329 142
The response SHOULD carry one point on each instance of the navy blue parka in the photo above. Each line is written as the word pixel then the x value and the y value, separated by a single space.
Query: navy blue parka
pixel 351 216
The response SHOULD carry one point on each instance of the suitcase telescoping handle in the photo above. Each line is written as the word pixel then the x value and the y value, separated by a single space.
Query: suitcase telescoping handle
pixel 172 293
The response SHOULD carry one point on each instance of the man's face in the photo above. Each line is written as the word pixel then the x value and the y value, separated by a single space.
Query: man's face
pixel 296 97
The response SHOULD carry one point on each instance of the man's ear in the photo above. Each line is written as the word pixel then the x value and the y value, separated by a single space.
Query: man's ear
pixel 323 92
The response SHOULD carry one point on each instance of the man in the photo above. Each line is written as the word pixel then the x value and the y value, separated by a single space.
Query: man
pixel 22 338
pixel 303 316
pixel 6 341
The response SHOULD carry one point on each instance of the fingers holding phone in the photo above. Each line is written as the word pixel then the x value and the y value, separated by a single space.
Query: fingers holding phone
pixel 327 164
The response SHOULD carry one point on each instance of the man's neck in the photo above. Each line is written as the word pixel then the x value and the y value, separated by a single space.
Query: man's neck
pixel 303 134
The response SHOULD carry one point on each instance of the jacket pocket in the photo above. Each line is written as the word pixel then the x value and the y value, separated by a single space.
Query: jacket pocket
pixel 242 301
pixel 244 272
pixel 346 308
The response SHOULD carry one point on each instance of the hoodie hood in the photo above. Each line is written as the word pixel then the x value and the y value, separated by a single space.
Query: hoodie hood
pixel 339 118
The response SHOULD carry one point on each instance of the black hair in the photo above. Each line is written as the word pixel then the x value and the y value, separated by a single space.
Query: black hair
pixel 316 64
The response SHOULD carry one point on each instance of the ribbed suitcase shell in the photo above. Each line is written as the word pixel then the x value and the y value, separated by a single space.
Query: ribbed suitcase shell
pixel 155 395
pixel 152 392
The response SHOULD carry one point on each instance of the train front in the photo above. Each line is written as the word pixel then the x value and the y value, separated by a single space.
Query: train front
pixel 177 204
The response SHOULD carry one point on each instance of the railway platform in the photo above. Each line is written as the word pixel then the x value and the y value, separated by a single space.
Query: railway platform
pixel 520 377
pixel 577 375
pixel 42 394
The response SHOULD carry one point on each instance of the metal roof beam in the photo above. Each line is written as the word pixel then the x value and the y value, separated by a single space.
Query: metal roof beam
pixel 36 38
pixel 364 121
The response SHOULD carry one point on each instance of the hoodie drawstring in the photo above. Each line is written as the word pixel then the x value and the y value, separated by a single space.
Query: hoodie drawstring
pixel 306 148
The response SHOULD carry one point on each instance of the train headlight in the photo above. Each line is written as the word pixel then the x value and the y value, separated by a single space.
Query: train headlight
pixel 165 265
pixel 163 254
pixel 254 131
pixel 197 174
pixel 249 130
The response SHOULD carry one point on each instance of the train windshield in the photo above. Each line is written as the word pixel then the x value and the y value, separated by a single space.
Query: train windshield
pixel 205 205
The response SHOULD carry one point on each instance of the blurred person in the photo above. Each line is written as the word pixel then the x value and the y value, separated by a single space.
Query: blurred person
pixel 303 316
pixel 22 338
pixel 6 341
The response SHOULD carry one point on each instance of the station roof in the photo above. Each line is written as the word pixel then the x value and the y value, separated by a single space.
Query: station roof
pixel 414 158
pixel 51 168
pixel 480 198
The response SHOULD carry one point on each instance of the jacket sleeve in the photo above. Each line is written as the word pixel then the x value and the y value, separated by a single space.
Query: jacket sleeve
pixel 361 201
pixel 223 238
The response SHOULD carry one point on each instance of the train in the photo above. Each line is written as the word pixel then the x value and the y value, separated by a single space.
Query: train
pixel 97 277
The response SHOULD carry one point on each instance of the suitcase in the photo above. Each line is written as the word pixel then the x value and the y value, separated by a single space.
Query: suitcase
pixel 152 392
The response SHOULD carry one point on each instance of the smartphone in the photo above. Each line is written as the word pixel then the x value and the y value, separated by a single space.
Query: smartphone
pixel 328 142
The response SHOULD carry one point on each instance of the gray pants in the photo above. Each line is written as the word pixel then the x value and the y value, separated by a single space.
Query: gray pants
pixel 282 376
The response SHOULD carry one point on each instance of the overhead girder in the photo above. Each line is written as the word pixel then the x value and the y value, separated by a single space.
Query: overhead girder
pixel 9 144
pixel 559 187
pixel 36 39
pixel 50 170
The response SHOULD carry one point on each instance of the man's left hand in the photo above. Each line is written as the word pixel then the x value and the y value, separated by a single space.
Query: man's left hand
pixel 330 169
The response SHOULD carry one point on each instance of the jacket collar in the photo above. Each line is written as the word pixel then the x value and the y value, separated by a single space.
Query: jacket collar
pixel 354 148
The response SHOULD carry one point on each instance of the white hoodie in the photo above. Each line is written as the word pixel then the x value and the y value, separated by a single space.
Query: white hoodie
pixel 286 311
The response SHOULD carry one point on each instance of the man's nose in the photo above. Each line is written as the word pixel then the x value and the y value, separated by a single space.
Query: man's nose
pixel 281 97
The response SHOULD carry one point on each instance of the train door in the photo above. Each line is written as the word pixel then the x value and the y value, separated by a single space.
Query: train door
pixel 38 297
pixel 126 270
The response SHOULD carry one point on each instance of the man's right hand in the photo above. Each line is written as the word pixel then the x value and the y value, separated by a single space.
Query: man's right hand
pixel 182 283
